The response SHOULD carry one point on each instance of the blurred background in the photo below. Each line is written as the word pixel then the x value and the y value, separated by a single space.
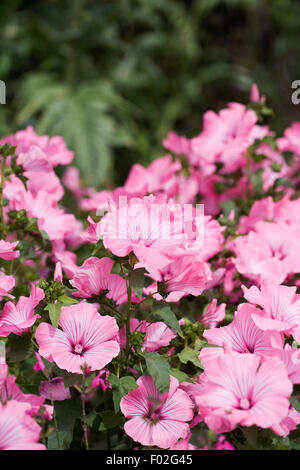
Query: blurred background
pixel 113 77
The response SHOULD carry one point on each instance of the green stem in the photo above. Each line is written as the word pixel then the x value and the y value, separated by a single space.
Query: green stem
pixel 84 425
pixel 129 293
pixel 3 226
pixel 108 443
pixel 54 415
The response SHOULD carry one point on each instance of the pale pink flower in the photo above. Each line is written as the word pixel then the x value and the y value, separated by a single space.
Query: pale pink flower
pixel 157 334
pixel 291 140
pixel 66 258
pixel 94 277
pixel 242 335
pixel 159 176
pixel 154 419
pixel 226 137
pixel 280 304
pixel 213 314
pixel 288 424
pixel 85 338
pixel 7 283
pixel 7 250
pixel 255 94
pixel 54 147
pixel 55 389
pixel 243 389
pixel 143 226
pixel 187 274
pixel 18 430
pixel 20 317
pixel 58 276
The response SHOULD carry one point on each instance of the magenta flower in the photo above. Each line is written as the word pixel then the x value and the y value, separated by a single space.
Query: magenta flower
pixel 154 419
pixel 18 430
pixel 85 338
pixel 19 318
pixel 7 250
pixel 94 277
pixel 243 389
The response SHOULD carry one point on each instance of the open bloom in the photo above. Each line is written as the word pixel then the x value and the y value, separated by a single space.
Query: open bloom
pixel 18 430
pixel 213 314
pixel 85 338
pixel 20 317
pixel 281 307
pixel 154 419
pixel 94 277
pixel 242 335
pixel 243 389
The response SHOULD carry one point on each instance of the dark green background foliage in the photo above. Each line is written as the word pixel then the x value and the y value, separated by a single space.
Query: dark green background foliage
pixel 113 77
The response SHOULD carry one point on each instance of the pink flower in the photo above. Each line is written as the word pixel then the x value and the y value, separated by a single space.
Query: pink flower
pixel 39 365
pixel 223 444
pixel 55 390
pixel 245 390
pixel 255 94
pixel 18 430
pixel 157 335
pixel 54 147
pixel 102 382
pixel 20 317
pixel 288 424
pixel 154 419
pixel 7 283
pixel 86 338
pixel 58 276
pixel 94 277
pixel 213 314
pixel 242 335
pixel 226 137
pixel 291 140
pixel 160 175
pixel 281 307
pixel 7 250
pixel 187 274
pixel 143 226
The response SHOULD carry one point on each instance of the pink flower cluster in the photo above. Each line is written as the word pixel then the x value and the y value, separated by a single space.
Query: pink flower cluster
pixel 171 302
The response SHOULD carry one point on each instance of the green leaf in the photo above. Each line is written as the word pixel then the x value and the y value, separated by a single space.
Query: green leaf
pixel 66 300
pixel 93 107
pixel 110 420
pixel 128 383
pixel 71 379
pixel 54 312
pixel 189 354
pixel 67 412
pixel 137 281
pixel 179 375
pixel 18 347
pixel 159 368
pixel 256 179
pixel 295 403
pixel 163 312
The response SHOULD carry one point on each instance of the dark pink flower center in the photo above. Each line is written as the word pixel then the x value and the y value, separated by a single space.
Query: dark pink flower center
pixel 78 349
pixel 245 404
pixel 154 411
